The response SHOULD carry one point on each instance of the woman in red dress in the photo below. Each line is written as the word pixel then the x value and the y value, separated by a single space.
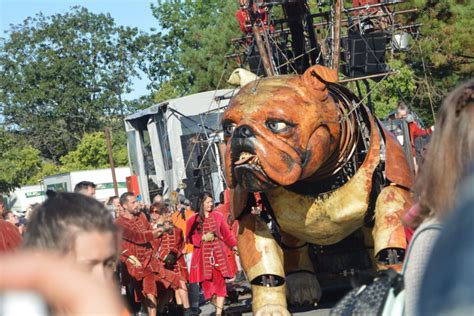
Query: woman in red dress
pixel 210 265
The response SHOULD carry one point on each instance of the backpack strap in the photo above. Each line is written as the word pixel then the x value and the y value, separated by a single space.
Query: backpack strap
pixel 413 240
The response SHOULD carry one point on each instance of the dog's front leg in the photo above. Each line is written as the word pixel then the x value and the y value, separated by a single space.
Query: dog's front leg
pixel 302 286
pixel 262 260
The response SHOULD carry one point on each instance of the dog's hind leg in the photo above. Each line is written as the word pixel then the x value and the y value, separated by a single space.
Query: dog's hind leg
pixel 389 235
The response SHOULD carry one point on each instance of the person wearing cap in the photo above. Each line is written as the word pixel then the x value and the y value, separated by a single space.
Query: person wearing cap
pixel 404 113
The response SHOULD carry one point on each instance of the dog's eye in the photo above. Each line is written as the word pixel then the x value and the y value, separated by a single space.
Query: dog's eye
pixel 228 129
pixel 276 126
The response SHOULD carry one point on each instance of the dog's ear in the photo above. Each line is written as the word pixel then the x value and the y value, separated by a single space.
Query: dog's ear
pixel 317 76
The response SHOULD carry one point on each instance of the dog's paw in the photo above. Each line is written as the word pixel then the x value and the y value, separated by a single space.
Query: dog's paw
pixel 272 310
pixel 302 288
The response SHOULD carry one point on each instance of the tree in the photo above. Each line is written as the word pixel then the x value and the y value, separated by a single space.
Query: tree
pixel 91 153
pixel 439 59
pixel 196 37
pixel 18 161
pixel 386 94
pixel 62 76
pixel 443 55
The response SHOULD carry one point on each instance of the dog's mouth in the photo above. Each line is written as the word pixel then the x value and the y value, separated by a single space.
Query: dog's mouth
pixel 249 172
pixel 248 158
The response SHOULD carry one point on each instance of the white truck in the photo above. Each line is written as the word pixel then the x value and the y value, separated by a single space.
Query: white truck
pixel 102 178
pixel 19 200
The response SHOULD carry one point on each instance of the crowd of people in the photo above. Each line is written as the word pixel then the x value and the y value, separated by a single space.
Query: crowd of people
pixel 80 254
pixel 161 257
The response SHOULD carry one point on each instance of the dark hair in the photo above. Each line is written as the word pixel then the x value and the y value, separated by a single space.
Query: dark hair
pixel 221 197
pixel 200 210
pixel 83 185
pixel 200 201
pixel 158 207
pixel 124 197
pixel 111 199
pixel 452 144
pixel 55 223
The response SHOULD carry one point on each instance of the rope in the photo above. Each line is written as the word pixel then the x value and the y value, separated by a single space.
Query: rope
pixel 428 88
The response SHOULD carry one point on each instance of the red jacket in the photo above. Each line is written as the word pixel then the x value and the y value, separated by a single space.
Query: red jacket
pixel 206 253
pixel 172 242
pixel 224 209
pixel 10 237
pixel 415 132
pixel 136 241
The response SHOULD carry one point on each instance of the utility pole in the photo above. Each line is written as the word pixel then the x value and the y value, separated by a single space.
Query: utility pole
pixel 336 47
pixel 111 159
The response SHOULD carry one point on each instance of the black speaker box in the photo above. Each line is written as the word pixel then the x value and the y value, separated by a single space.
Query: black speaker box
pixel 364 54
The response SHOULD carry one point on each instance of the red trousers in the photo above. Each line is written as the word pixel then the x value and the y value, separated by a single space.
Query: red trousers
pixel 215 286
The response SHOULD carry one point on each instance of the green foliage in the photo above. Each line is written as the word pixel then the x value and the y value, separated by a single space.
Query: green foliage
pixel 386 94
pixel 439 59
pixel 197 36
pixel 443 56
pixel 63 76
pixel 166 91
pixel 18 161
pixel 21 164
pixel 91 153
pixel 47 169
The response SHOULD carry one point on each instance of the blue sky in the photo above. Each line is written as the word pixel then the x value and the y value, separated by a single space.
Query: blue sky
pixel 135 13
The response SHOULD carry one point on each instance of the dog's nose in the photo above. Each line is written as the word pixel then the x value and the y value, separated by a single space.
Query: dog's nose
pixel 244 131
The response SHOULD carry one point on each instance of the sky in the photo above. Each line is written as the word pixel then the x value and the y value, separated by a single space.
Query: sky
pixel 134 13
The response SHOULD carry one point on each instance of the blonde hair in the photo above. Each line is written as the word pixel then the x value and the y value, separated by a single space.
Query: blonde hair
pixel 449 155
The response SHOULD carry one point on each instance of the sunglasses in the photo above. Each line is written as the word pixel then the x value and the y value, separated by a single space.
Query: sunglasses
pixel 154 212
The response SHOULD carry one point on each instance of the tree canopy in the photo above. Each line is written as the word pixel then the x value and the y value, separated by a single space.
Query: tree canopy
pixel 443 55
pixel 196 37
pixel 91 153
pixel 18 162
pixel 62 76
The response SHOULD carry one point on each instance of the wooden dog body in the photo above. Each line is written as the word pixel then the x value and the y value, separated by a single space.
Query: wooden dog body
pixel 291 138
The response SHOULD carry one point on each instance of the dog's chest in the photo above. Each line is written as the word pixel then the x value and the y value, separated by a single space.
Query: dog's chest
pixel 325 219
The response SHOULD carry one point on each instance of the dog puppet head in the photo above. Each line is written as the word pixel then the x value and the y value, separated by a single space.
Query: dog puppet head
pixel 280 130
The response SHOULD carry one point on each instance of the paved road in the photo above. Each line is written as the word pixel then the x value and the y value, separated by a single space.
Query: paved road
pixel 243 307
pixel 208 309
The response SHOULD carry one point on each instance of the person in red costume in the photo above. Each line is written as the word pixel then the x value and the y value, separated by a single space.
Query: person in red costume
pixel 259 11
pixel 403 112
pixel 144 270
pixel 210 235
pixel 10 237
pixel 169 248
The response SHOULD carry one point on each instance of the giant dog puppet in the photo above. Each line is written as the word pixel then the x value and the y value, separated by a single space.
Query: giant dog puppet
pixel 315 152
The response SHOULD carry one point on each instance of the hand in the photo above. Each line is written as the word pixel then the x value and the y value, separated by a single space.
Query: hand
pixel 44 274
pixel 167 225
pixel 134 261
pixel 158 231
pixel 256 210
pixel 209 236
pixel 235 250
